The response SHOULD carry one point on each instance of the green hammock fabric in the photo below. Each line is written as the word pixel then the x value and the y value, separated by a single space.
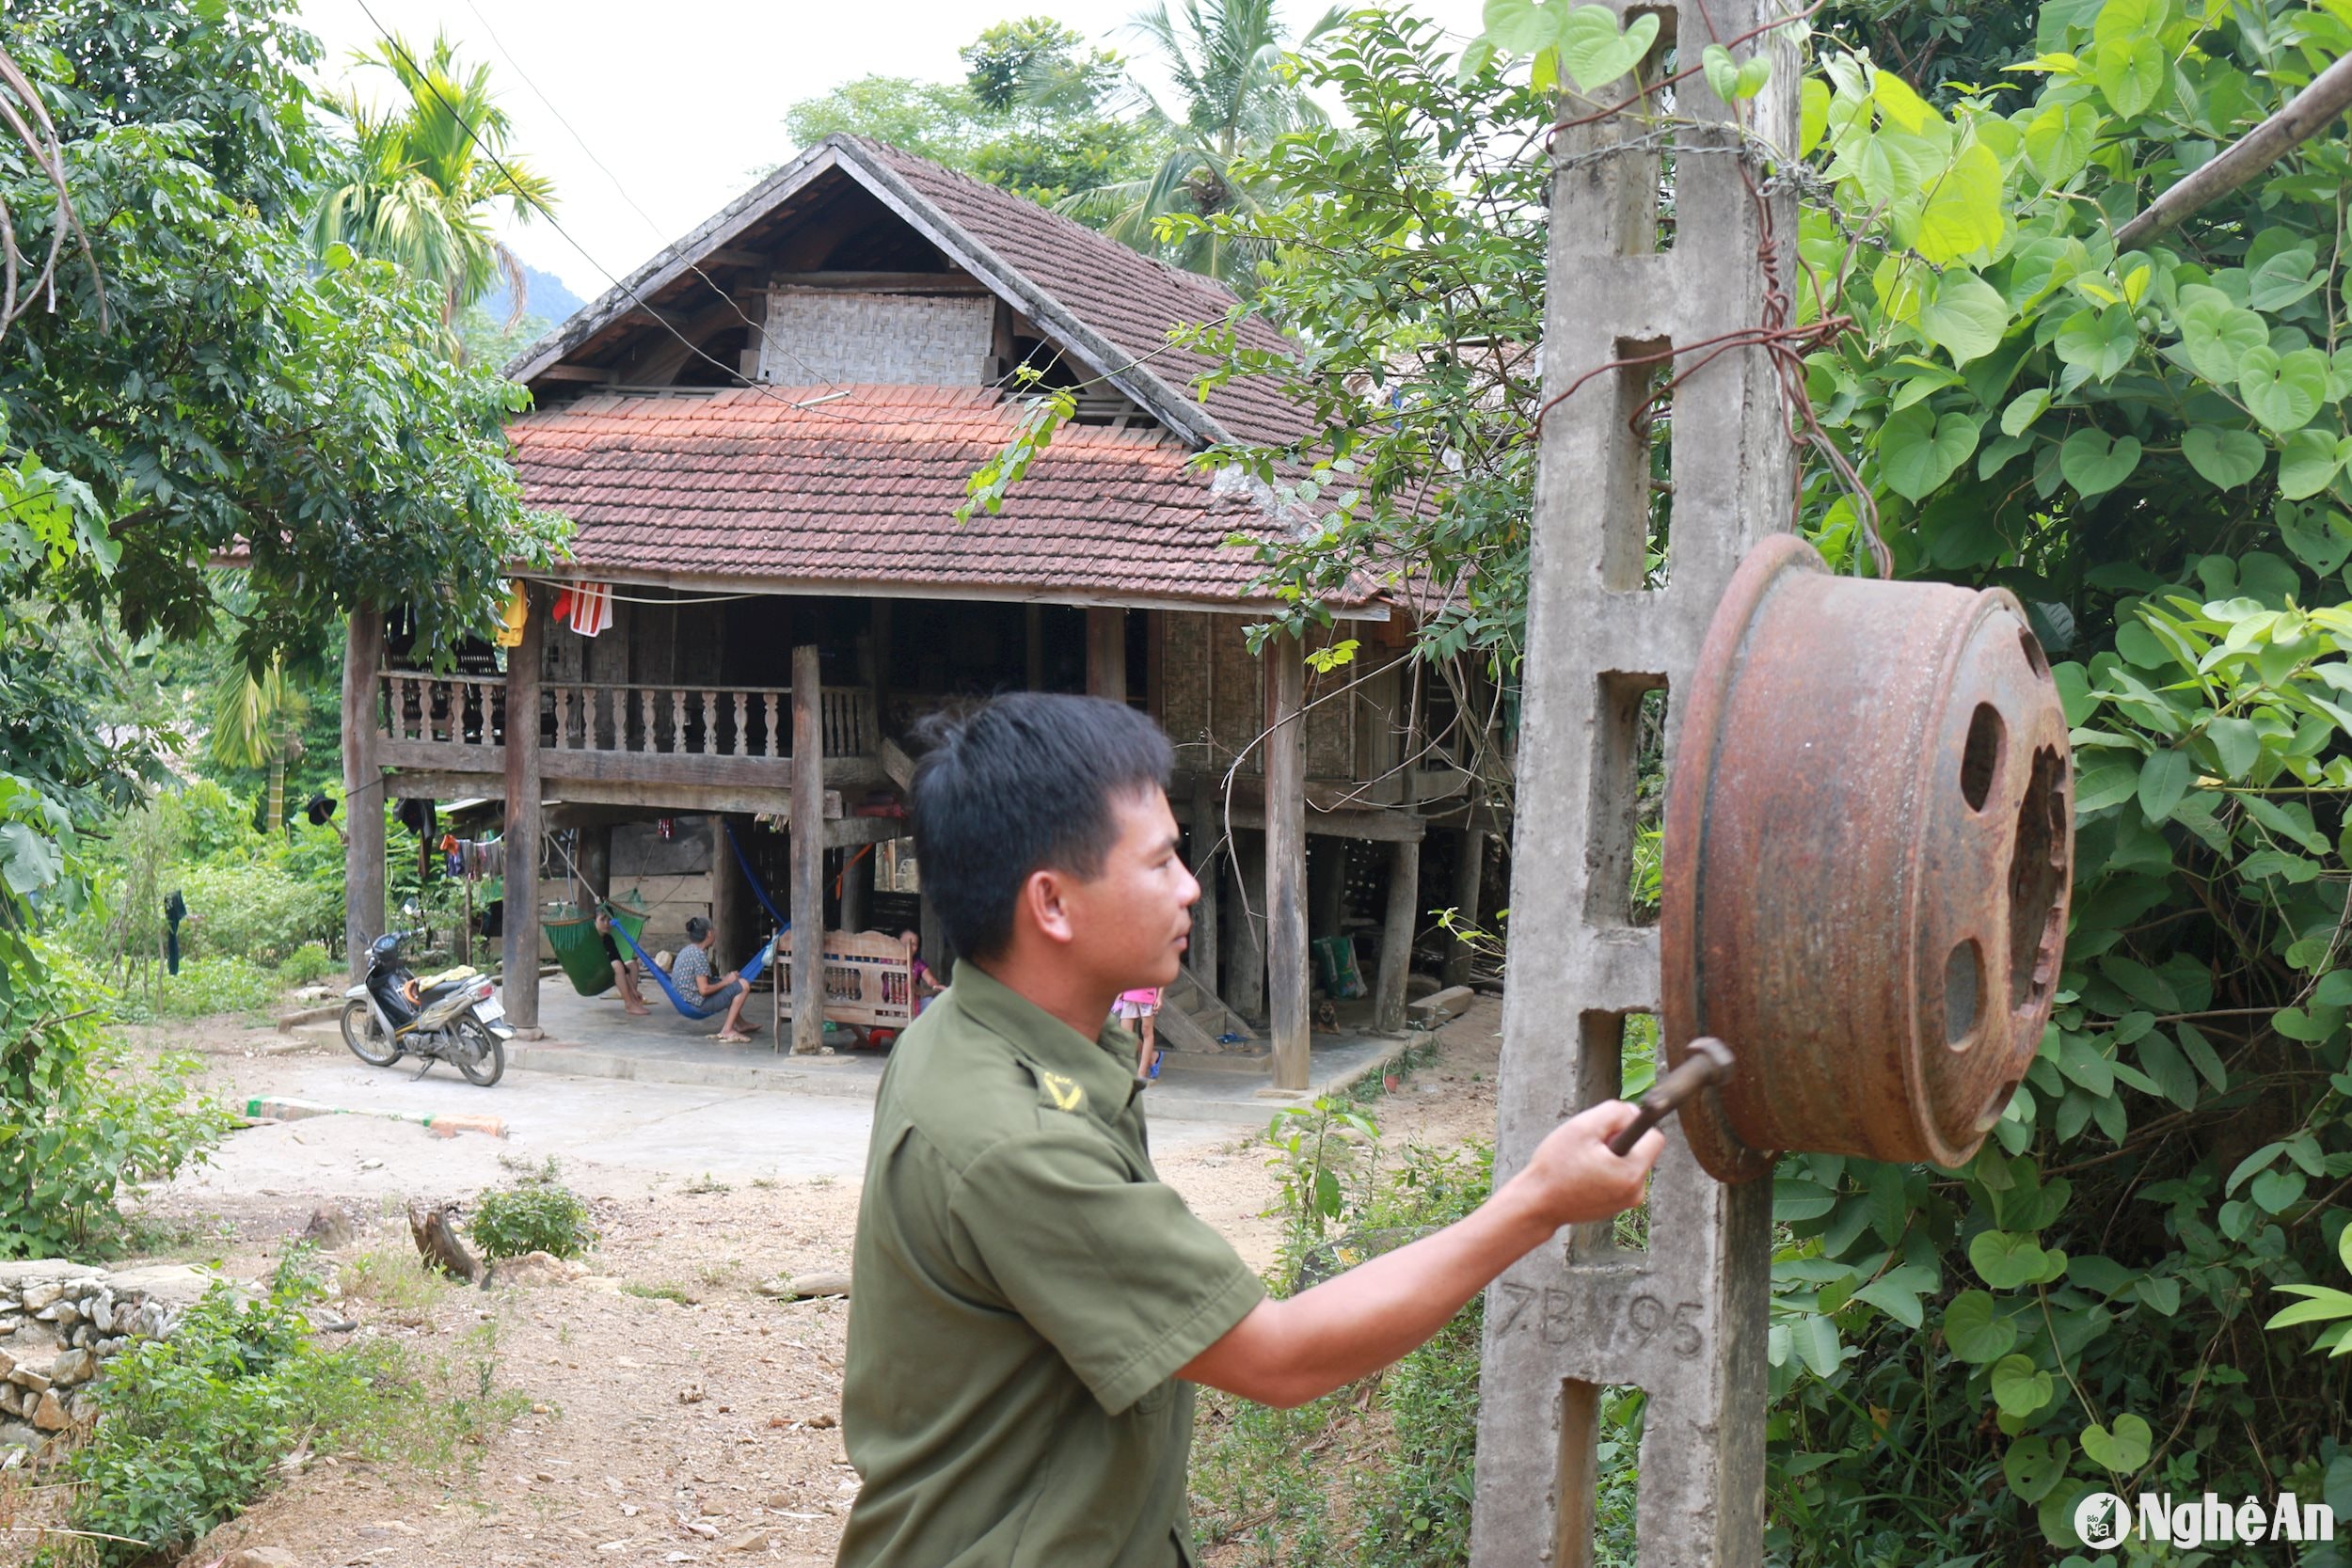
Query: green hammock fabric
pixel 580 950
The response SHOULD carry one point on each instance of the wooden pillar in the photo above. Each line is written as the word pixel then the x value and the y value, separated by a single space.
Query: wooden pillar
pixel 1106 654
pixel 1396 936
pixel 363 790
pixel 1033 647
pixel 519 984
pixel 877 675
pixel 1244 953
pixel 1469 878
pixel 727 896
pixel 1287 975
pixel 1326 885
pixel 809 854
pixel 857 884
pixel 1206 865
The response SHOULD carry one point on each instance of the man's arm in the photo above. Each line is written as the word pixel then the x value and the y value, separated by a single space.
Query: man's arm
pixel 1286 1353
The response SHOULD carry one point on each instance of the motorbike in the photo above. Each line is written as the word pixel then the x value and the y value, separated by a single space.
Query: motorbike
pixel 451 1017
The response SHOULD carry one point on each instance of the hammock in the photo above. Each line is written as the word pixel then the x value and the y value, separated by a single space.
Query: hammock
pixel 752 877
pixel 580 950
pixel 691 1006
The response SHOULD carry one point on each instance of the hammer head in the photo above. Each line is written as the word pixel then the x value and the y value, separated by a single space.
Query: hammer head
pixel 1708 1048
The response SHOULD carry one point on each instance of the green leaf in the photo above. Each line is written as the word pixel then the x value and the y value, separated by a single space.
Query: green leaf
pixel 2121 1449
pixel 1596 53
pixel 1962 214
pixel 2306 464
pixel 2317 534
pixel 1965 318
pixel 2163 778
pixel 1815 1340
pixel 1812 114
pixel 2130 73
pixel 1974 1332
pixel 2277 1190
pixel 2033 1466
pixel 2218 333
pixel 1520 27
pixel 2225 458
pixel 2282 392
pixel 1918 450
pixel 2093 464
pixel 2161 1292
pixel 2018 1387
pixel 2024 409
pixel 2238 743
pixel 2059 140
pixel 2006 1261
pixel 1722 70
pixel 2098 343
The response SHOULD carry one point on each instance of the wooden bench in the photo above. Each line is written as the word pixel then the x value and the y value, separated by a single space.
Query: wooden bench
pixel 869 980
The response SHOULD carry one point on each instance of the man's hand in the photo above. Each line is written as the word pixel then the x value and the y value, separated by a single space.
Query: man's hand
pixel 733 976
pixel 1285 1353
pixel 1573 1176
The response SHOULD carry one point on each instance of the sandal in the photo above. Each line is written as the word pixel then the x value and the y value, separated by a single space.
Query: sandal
pixel 727 1037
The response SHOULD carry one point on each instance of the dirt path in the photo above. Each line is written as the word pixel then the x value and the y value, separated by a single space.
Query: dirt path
pixel 661 1431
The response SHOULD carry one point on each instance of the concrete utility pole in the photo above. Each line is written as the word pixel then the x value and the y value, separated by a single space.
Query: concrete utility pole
pixel 1684 1318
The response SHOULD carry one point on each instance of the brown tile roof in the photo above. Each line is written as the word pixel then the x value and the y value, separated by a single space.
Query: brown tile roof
pixel 1127 297
pixel 859 492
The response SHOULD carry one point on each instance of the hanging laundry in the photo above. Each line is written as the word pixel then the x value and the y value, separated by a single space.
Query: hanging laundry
pixel 560 613
pixel 510 634
pixel 592 608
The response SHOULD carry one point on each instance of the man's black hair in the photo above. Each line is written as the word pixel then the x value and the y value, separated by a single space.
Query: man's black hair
pixel 1017 784
pixel 697 928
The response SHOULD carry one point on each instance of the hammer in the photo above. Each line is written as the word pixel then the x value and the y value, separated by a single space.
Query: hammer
pixel 1710 1062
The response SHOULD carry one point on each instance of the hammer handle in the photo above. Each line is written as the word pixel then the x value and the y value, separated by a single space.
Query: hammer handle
pixel 1665 1097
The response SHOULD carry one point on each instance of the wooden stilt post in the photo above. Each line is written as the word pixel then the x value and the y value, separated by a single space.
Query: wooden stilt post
pixel 727 896
pixel 1033 647
pixel 809 854
pixel 857 880
pixel 519 984
pixel 1245 967
pixel 1286 863
pixel 363 790
pixel 1207 864
pixel 596 866
pixel 1396 936
pixel 1469 876
pixel 1106 654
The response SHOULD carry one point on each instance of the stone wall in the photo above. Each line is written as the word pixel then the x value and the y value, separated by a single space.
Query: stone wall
pixel 890 339
pixel 59 1325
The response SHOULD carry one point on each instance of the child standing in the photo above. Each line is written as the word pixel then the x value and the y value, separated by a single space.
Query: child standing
pixel 1134 1009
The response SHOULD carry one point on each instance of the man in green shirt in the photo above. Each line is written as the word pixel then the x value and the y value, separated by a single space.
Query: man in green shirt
pixel 1032 1305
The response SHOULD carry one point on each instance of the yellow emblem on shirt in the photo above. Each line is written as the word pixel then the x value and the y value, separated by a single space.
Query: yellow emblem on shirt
pixel 1067 1095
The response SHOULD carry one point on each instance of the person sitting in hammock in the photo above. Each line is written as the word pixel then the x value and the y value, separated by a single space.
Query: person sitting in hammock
pixel 624 967
pixel 691 972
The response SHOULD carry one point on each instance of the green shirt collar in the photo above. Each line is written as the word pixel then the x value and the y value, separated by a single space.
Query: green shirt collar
pixel 1104 1066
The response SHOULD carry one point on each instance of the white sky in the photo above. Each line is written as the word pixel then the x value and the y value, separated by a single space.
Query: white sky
pixel 682 101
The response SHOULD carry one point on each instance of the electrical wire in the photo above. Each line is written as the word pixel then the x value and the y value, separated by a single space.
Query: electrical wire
pixel 545 211
pixel 658 234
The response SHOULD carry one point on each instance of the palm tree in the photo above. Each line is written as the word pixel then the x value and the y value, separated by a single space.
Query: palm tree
pixel 426 175
pixel 1226 57
pixel 255 721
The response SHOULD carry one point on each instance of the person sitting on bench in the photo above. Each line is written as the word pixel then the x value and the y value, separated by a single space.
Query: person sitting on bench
pixel 692 973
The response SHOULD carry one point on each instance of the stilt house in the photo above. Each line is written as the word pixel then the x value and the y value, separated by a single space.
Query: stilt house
pixel 762 436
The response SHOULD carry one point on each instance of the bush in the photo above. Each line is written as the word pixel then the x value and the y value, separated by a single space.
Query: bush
pixel 255 911
pixel 79 1118
pixel 203 988
pixel 308 964
pixel 538 1213
pixel 191 1427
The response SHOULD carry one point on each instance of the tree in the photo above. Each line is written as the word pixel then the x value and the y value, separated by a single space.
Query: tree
pixel 1037 112
pixel 2149 445
pixel 255 721
pixel 1239 95
pixel 233 397
pixel 424 179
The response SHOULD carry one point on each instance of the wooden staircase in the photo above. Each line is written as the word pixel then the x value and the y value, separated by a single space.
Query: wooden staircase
pixel 1192 1019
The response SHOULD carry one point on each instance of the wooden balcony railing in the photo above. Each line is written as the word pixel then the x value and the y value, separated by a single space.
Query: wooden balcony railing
pixel 645 720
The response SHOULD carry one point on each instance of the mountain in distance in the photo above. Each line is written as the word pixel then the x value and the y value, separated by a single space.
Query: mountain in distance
pixel 543 296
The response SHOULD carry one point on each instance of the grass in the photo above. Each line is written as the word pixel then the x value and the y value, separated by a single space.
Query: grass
pixel 395 1279
pixel 676 1293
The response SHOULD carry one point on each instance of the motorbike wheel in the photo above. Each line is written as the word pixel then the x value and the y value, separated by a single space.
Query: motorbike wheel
pixel 366 1037
pixel 481 1054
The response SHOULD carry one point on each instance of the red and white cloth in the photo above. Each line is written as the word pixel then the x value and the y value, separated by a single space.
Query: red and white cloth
pixel 587 608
